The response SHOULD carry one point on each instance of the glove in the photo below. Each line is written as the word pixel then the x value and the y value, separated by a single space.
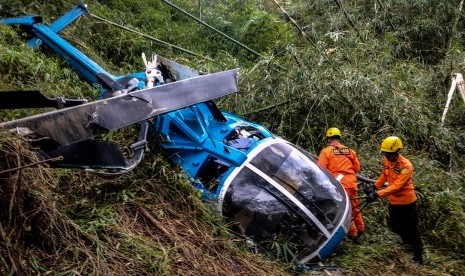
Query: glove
pixel 368 188
pixel 372 197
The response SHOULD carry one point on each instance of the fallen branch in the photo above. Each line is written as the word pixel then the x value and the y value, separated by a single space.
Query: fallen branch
pixel 160 227
pixel 59 158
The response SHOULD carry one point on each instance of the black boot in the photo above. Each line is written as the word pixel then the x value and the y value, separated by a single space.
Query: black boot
pixel 418 258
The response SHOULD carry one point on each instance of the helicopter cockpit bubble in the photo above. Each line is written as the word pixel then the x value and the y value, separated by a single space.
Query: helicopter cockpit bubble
pixel 280 189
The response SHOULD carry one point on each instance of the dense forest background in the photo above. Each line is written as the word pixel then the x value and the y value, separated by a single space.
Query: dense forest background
pixel 371 68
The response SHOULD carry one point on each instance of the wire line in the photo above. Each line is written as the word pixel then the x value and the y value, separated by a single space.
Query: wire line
pixel 147 36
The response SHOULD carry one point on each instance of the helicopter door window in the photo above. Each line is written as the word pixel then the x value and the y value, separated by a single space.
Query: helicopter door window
pixel 302 178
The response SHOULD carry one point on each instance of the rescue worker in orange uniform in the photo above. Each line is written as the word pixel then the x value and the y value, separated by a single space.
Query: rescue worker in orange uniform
pixel 342 162
pixel 403 215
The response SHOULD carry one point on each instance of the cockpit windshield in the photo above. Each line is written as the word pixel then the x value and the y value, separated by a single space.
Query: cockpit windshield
pixel 302 177
pixel 282 190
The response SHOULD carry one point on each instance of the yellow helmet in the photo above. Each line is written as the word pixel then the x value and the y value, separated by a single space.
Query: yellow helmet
pixel 334 131
pixel 391 144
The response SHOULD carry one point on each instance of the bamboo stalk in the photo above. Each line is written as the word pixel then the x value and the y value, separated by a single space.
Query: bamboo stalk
pixel 303 33
pixel 454 27
pixel 346 15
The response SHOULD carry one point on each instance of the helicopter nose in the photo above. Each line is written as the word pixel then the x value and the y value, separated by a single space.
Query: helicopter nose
pixel 281 191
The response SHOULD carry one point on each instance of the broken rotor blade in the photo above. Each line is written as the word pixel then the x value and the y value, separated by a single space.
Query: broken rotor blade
pixel 81 122
pixel 34 99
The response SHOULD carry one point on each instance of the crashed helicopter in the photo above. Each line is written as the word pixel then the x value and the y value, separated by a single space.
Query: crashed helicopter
pixel 264 184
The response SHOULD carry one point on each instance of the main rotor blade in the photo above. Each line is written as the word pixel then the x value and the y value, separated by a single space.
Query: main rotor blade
pixel 34 99
pixel 81 122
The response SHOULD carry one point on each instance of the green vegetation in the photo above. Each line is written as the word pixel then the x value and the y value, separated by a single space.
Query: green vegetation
pixel 371 68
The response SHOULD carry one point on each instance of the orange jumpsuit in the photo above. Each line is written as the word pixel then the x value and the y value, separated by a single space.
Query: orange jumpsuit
pixel 340 160
pixel 399 176
pixel 403 214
